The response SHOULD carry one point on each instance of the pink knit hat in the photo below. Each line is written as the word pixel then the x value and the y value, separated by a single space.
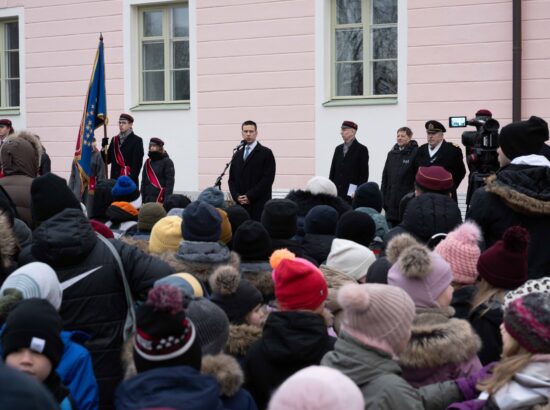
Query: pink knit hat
pixel 461 250
pixel 317 388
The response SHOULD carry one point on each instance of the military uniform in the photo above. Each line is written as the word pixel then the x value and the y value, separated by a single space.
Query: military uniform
pixel 448 156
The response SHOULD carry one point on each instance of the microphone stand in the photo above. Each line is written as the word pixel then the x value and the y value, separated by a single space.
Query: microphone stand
pixel 236 150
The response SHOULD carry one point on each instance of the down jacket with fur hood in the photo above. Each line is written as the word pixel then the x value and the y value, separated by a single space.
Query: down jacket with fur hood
pixel 8 246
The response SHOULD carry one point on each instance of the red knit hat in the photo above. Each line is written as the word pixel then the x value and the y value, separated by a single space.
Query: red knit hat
pixel 434 178
pixel 299 284
pixel 504 265
pixel 101 229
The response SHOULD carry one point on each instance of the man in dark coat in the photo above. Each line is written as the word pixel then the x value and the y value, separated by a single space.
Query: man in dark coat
pixel 252 173
pixel 350 162
pixel 519 193
pixel 130 148
pixel 161 167
pixel 440 152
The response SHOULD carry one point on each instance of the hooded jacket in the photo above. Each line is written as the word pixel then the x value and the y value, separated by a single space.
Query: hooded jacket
pixel 96 302
pixel 335 280
pixel 317 246
pixel 378 377
pixel 164 170
pixel 519 194
pixel 9 246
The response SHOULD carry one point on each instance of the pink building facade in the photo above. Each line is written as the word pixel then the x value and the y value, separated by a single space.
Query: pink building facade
pixel 192 72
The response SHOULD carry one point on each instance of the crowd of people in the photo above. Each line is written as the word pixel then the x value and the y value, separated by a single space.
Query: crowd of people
pixel 343 295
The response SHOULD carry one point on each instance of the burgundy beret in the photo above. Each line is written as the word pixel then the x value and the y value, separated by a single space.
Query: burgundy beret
pixel 126 117
pixel 434 178
pixel 101 229
pixel 484 113
pixel 6 122
pixel 156 141
pixel 349 124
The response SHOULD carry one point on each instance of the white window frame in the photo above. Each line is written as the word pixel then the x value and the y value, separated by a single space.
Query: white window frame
pixel 4 96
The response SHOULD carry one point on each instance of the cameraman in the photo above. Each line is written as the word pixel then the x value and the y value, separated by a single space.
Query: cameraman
pixel 519 193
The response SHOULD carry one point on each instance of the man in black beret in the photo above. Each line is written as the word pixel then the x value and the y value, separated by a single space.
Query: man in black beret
pixel 125 153
pixel 350 163
pixel 437 151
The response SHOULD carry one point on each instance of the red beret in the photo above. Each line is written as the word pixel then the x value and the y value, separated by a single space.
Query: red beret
pixel 434 178
pixel 157 141
pixel 6 122
pixel 126 117
pixel 349 124
pixel 484 113
pixel 101 229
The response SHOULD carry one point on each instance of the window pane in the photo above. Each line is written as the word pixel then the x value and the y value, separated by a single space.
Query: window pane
pixel 180 85
pixel 384 77
pixel 152 23
pixel 12 63
pixel 153 56
pixel 349 79
pixel 153 86
pixel 180 22
pixel 13 93
pixel 348 11
pixel 384 11
pixel 384 43
pixel 12 36
pixel 349 45
pixel 180 57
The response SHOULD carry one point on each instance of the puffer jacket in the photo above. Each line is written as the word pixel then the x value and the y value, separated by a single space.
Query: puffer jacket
pixel 378 377
pixel 164 170
pixel 95 303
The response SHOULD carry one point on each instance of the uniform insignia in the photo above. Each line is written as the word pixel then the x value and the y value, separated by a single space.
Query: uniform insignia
pixel 430 126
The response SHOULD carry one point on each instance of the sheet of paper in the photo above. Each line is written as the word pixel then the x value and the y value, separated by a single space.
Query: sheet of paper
pixel 351 190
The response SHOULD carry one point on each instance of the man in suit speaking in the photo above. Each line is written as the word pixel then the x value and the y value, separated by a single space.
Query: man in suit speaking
pixel 252 172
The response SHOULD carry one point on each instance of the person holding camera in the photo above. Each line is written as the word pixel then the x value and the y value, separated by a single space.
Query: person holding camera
pixel 437 151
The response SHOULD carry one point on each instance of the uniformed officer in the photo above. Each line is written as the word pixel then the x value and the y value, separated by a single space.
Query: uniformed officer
pixel 440 152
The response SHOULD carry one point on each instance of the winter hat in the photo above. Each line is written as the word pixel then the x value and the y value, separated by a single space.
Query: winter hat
pixel 164 335
pixel 434 178
pixel 125 189
pixel 122 211
pixel 156 141
pixel 460 249
pixel 102 199
pixel 541 285
pixel 280 218
pixel 237 297
pixel 237 216
pixel 211 324
pixel 49 196
pixel 226 232
pixel 321 220
pixel 368 195
pixel 527 320
pixel 34 324
pixel 350 258
pixel 185 282
pixel 356 226
pixel 504 265
pixel 299 285
pixel 213 196
pixel 317 388
pixel 176 212
pixel 424 275
pixel 252 242
pixel 376 313
pixel 523 137
pixel 166 235
pixel 101 229
pixel 201 222
pixel 149 215
pixel 321 185
pixel 176 201
pixel 35 280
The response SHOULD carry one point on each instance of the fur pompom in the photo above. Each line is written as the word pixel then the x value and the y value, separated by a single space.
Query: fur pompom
pixel 225 280
pixel 166 298
pixel 516 239
pixel 415 261
pixel 354 297
pixel 397 245
pixel 467 233
pixel 279 255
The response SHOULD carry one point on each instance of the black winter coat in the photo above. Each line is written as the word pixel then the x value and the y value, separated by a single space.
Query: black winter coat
pixel 398 178
pixel 164 170
pixel 253 178
pixel 96 303
pixel 317 247
pixel 350 169
pixel 487 326
pixel 132 151
pixel 290 342
pixel 517 195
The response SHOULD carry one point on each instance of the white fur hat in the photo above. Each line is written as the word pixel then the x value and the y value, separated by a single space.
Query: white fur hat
pixel 321 185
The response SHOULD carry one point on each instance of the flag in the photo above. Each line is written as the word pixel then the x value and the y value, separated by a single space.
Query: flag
pixel 94 116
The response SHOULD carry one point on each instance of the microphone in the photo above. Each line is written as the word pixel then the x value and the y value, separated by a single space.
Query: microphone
pixel 241 144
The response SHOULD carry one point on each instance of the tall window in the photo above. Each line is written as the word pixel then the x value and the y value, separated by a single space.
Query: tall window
pixel 9 64
pixel 364 38
pixel 164 59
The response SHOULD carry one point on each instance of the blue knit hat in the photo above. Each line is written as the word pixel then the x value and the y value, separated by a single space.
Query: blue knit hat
pixel 201 223
pixel 213 196
pixel 321 220
pixel 125 189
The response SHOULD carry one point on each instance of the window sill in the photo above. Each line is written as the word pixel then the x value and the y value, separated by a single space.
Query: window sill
pixel 360 101
pixel 162 107
pixel 9 111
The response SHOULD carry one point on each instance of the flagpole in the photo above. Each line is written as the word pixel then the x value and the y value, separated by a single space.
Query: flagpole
pixel 105 140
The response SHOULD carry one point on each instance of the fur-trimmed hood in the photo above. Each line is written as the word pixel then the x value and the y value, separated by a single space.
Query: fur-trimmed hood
pixel 438 339
pixel 307 200
pixel 259 274
pixel 241 338
pixel 21 154
pixel 525 189
pixel 141 244
pixel 335 280
pixel 8 242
